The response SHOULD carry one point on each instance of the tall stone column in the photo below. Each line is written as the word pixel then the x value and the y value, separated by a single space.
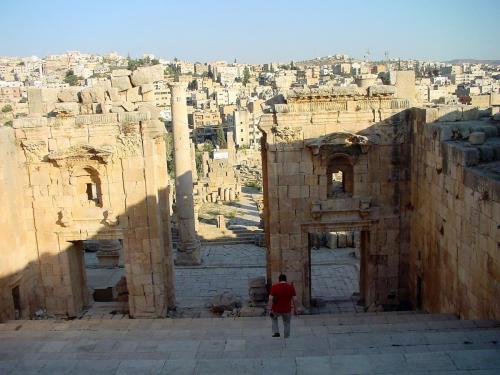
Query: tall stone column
pixel 188 248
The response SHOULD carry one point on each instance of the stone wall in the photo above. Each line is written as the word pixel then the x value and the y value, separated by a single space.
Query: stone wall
pixel 298 149
pixel 91 177
pixel 455 237
pixel 18 253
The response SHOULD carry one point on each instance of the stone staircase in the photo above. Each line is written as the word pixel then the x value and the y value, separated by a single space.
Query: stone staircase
pixel 368 343
pixel 233 236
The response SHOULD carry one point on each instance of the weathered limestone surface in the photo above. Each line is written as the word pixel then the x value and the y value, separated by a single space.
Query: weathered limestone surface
pixel 67 179
pixel 18 252
pixel 422 192
pixel 368 142
pixel 455 221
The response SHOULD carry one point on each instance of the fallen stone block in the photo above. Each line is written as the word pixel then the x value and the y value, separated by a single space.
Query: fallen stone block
pixel 224 301
pixel 477 138
pixel 121 83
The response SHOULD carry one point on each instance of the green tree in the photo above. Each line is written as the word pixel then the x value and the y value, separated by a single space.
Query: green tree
pixel 169 145
pixel 71 78
pixel 192 85
pixel 246 76
pixel 207 147
pixel 7 108
pixel 220 139
pixel 173 70
pixel 133 64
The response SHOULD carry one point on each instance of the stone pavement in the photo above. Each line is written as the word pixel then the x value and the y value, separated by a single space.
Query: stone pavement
pixel 335 275
pixel 378 343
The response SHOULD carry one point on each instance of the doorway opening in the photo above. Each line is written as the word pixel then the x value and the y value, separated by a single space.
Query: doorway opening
pixel 335 261
pixel 98 278
pixel 16 298
pixel 419 293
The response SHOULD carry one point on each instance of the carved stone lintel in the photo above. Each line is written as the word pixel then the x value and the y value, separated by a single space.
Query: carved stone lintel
pixel 339 139
pixel 287 134
pixel 81 153
pixel 35 151
pixel 129 144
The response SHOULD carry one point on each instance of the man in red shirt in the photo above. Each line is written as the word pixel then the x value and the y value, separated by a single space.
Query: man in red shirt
pixel 281 300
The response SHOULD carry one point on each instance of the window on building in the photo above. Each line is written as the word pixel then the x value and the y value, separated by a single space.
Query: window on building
pixel 340 177
pixel 88 186
pixel 91 192
pixel 337 182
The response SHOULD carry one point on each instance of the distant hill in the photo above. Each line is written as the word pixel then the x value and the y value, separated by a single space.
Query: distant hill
pixel 473 61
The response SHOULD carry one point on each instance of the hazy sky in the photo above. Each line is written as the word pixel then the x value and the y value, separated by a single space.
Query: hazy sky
pixel 253 31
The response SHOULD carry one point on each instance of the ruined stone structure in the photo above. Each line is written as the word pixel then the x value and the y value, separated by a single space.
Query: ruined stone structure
pixel 219 180
pixel 71 174
pixel 428 223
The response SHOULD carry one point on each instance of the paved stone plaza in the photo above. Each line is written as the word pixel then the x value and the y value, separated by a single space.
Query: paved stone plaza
pixel 335 276
pixel 383 343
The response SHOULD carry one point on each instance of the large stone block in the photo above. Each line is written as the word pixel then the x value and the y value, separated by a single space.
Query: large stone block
pixel 148 87
pixel 120 73
pixel 121 83
pixel 133 95
pixel 112 94
pixel 146 75
pixel 477 138
pixel 91 95
pixel 68 95
pixel 70 107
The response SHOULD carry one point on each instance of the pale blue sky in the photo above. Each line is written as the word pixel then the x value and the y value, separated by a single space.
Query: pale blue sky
pixel 253 31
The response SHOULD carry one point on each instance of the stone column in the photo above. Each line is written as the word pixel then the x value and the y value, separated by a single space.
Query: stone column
pixel 188 248
pixel 193 162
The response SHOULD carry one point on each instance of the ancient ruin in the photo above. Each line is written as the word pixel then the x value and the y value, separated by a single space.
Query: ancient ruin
pixel 420 185
pixel 413 191
pixel 82 168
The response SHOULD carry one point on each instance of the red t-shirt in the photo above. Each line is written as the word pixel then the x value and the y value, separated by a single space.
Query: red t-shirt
pixel 282 295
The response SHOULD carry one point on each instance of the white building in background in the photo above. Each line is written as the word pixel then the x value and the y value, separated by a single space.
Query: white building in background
pixel 226 96
pixel 246 132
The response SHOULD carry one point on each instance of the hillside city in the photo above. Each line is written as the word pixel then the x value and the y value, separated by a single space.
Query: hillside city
pixel 335 215
pixel 220 92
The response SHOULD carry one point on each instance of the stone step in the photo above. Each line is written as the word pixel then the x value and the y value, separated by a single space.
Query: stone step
pixel 246 235
pixel 261 361
pixel 223 241
pixel 359 320
pixel 369 343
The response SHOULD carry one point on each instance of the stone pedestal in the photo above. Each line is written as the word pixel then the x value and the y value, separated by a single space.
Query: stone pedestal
pixel 188 248
pixel 109 253
pixel 221 222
